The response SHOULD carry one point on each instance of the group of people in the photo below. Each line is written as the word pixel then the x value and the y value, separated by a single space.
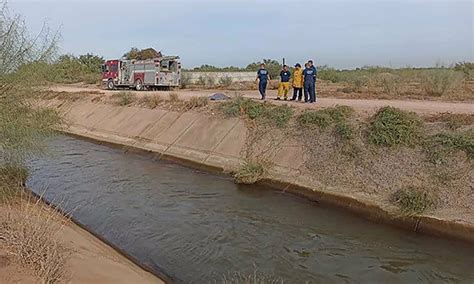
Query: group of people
pixel 304 82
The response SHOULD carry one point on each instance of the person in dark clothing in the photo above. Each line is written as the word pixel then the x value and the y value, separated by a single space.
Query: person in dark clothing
pixel 313 91
pixel 309 84
pixel 262 77
pixel 284 86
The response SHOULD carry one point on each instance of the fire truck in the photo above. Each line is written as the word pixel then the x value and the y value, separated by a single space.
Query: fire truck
pixel 157 73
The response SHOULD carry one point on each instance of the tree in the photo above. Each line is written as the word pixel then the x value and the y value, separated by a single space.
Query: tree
pixel 91 62
pixel 147 53
pixel 273 67
pixel 24 63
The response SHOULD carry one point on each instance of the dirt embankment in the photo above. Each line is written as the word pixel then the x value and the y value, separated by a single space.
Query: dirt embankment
pixel 362 105
pixel 88 260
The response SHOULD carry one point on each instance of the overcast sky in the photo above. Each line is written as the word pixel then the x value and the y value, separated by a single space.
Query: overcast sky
pixel 342 34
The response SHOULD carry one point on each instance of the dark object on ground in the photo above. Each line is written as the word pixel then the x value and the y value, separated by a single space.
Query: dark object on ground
pixel 218 97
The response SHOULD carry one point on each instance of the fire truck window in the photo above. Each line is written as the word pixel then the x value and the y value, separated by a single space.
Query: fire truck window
pixel 164 66
pixel 113 68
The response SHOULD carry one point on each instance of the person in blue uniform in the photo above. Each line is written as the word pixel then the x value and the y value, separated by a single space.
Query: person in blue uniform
pixel 262 77
pixel 309 83
pixel 313 90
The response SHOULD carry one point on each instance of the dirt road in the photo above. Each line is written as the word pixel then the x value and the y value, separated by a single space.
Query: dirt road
pixel 362 105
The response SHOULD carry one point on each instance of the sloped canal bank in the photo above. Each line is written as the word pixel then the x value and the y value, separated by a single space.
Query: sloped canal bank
pixel 198 227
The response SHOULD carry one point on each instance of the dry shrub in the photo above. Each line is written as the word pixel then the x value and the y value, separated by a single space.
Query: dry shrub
pixel 124 98
pixel 174 97
pixel 197 102
pixel 31 230
pixel 438 82
pixel 151 101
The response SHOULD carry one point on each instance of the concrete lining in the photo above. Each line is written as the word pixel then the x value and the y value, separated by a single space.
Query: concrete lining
pixel 200 141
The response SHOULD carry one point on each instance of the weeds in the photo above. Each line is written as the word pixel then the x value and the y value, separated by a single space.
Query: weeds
pixel 264 113
pixel 174 97
pixel 225 81
pixel 31 231
pixel 197 102
pixel 151 101
pixel 249 173
pixel 413 201
pixel 440 145
pixel 185 80
pixel 438 82
pixel 391 127
pixel 279 115
pixel 124 98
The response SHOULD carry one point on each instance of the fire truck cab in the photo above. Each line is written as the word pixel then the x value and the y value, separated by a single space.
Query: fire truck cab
pixel 161 72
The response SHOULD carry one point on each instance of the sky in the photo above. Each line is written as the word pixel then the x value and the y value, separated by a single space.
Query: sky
pixel 342 34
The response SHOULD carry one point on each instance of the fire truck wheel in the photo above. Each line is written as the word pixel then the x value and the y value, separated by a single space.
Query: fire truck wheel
pixel 110 85
pixel 138 85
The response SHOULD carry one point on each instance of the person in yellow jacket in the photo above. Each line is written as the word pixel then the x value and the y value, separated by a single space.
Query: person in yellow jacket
pixel 297 83
pixel 284 86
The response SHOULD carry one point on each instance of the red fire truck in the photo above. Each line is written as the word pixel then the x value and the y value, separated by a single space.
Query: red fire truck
pixel 157 73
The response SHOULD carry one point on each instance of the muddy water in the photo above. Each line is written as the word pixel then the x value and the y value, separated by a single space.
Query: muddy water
pixel 198 227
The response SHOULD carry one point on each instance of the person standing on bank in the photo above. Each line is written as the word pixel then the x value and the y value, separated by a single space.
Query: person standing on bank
pixel 313 94
pixel 297 83
pixel 284 86
pixel 262 77
pixel 309 83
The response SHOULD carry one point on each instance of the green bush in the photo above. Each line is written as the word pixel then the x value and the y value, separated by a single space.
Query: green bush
pixel 280 115
pixel 440 145
pixel 413 201
pixel 391 127
pixel 264 113
pixel 249 173
pixel 325 117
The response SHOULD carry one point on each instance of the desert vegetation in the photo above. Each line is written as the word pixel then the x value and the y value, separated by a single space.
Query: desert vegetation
pixel 417 163
pixel 27 229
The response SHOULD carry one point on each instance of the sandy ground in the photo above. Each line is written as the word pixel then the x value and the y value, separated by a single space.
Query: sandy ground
pixel 92 261
pixel 367 106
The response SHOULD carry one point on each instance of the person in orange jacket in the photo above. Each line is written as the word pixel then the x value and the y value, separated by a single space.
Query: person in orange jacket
pixel 297 83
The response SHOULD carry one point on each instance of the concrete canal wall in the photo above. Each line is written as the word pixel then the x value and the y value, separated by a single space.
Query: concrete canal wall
pixel 235 76
pixel 204 141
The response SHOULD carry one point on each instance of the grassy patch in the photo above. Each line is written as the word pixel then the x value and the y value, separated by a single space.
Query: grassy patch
pixel 442 144
pixel 249 173
pixel 325 117
pixel 280 115
pixel 264 113
pixel 124 98
pixel 413 201
pixel 391 127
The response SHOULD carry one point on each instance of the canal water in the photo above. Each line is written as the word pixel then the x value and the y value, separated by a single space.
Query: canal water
pixel 199 227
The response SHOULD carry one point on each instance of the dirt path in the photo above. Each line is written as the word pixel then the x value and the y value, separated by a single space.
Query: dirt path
pixel 362 105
